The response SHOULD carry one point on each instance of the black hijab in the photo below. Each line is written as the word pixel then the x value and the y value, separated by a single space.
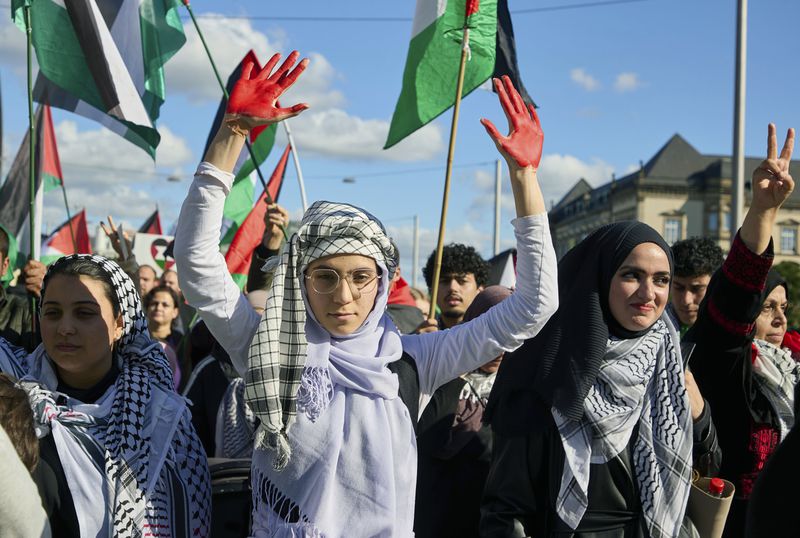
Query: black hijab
pixel 774 279
pixel 558 366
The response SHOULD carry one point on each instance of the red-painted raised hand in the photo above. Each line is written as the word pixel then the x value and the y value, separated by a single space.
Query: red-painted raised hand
pixel 254 99
pixel 523 145
pixel 772 183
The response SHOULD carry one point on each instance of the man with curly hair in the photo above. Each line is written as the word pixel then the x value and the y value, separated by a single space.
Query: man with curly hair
pixel 696 259
pixel 463 276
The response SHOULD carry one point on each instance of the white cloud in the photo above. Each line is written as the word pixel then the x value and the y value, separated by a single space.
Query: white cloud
pixel 190 72
pixel 627 82
pixel 108 176
pixel 94 155
pixel 13 46
pixel 335 133
pixel 583 79
pixel 229 40
pixel 557 174
pixel 314 85
pixel 403 237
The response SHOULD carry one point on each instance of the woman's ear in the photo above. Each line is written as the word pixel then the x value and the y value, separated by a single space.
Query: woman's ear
pixel 119 325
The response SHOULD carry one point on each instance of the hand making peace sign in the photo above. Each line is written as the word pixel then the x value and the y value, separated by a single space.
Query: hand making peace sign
pixel 772 183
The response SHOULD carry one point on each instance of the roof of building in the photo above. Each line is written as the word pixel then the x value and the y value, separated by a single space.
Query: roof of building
pixel 676 164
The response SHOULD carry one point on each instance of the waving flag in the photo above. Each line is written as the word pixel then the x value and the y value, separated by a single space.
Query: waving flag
pixel 15 194
pixel 51 164
pixel 152 225
pixel 104 59
pixel 60 241
pixel 431 72
pixel 250 233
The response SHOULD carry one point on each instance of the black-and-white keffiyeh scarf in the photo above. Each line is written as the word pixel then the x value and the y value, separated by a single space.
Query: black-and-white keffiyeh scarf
pixel 236 424
pixel 278 350
pixel 640 383
pixel 136 442
pixel 775 374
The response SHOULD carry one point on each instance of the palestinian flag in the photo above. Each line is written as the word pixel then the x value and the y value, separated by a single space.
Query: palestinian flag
pixel 506 52
pixel 51 164
pixel 250 233
pixel 16 191
pixel 431 71
pixel 152 225
pixel 104 59
pixel 60 241
pixel 240 200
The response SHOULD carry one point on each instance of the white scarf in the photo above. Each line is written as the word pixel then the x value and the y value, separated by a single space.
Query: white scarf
pixel 278 352
pixel 353 465
pixel 776 374
pixel 132 459
pixel 640 383
pixel 349 464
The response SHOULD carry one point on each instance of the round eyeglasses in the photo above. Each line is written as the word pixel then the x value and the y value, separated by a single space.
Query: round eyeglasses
pixel 326 281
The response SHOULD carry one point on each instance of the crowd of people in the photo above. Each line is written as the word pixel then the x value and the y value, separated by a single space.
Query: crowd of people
pixel 583 402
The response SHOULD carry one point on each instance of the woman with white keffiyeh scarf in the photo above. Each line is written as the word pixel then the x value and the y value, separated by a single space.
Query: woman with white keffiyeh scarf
pixel 335 386
pixel 119 440
pixel 595 438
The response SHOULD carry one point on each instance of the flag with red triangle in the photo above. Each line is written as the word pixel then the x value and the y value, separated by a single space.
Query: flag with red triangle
pixel 51 165
pixel 152 225
pixel 251 231
pixel 60 243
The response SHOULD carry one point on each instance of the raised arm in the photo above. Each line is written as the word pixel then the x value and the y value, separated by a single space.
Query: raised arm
pixel 202 271
pixel 442 356
pixel 733 302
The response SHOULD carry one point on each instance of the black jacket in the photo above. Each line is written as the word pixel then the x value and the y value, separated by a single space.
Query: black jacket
pixel 523 484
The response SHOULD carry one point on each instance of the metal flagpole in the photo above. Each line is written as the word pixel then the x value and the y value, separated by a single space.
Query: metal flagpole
pixel 737 187
pixel 437 261
pixel 415 253
pixel 296 159
pixel 497 194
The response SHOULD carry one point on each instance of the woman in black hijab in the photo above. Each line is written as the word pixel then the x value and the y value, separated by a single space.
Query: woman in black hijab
pixel 591 419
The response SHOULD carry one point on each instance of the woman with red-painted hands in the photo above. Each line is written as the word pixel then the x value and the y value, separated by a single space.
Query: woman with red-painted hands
pixel 591 420
pixel 335 386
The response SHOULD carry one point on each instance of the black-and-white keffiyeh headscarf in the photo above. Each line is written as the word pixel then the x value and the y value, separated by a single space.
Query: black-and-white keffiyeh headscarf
pixel 278 351
pixel 775 375
pixel 640 383
pixel 139 440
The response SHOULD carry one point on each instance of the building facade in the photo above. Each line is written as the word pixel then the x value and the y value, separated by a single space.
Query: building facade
pixel 679 192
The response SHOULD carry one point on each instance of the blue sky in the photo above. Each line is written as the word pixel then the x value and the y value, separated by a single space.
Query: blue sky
pixel 613 82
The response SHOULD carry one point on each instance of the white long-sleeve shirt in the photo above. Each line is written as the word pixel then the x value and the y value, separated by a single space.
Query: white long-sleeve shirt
pixel 440 356
pixel 334 500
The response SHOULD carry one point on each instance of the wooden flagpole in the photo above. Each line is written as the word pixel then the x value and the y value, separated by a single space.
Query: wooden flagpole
pixel 437 261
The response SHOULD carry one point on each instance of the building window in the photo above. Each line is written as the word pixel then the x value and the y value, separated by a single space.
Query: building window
pixel 788 239
pixel 713 222
pixel 672 230
pixel 726 221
